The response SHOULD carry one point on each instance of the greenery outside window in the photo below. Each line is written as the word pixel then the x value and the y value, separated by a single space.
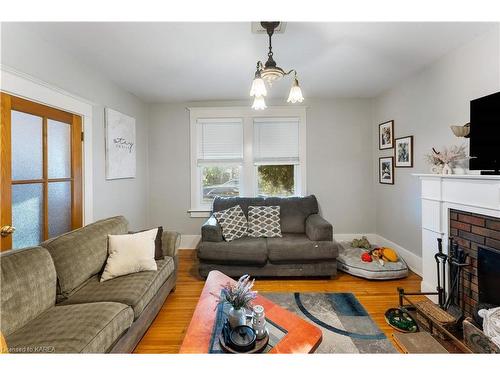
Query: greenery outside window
pixel 276 180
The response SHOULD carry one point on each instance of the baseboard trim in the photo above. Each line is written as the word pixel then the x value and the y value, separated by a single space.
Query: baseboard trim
pixel 189 241
pixel 413 261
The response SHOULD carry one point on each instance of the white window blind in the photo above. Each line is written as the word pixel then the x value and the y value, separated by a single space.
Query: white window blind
pixel 220 140
pixel 276 141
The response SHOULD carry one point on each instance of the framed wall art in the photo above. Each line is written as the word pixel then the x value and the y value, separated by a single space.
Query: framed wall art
pixel 403 152
pixel 386 135
pixel 386 170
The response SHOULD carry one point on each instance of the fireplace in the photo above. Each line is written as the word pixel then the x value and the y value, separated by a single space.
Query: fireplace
pixel 465 207
pixel 488 273
pixel 479 236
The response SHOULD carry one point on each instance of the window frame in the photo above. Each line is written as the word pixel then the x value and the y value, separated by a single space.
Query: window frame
pixel 248 174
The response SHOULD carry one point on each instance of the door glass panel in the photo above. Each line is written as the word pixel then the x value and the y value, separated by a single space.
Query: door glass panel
pixel 59 208
pixel 27 214
pixel 26 133
pixel 59 149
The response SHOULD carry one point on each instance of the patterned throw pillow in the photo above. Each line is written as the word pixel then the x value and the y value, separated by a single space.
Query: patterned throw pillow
pixel 264 221
pixel 233 222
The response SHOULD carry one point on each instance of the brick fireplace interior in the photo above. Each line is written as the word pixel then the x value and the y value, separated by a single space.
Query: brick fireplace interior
pixel 475 234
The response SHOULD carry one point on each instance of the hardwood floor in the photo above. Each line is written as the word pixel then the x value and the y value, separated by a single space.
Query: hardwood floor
pixel 167 331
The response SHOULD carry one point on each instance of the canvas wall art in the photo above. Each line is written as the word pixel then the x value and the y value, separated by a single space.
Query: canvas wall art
pixel 120 145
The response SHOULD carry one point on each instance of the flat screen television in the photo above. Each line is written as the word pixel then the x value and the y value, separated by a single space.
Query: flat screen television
pixel 485 133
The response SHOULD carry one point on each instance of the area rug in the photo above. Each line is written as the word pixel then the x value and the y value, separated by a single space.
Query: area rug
pixel 346 325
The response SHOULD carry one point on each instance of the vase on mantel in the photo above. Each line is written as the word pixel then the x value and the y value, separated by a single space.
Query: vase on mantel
pixel 437 169
pixel 237 317
pixel 447 169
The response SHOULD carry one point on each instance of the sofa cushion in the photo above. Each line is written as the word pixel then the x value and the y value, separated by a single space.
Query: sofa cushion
pixel 299 248
pixel 28 286
pixel 130 253
pixel 81 254
pixel 82 328
pixel 233 222
pixel 158 240
pixel 223 203
pixel 294 210
pixel 242 251
pixel 264 221
pixel 135 290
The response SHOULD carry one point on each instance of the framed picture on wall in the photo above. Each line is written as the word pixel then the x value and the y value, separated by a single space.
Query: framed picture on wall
pixel 386 170
pixel 403 152
pixel 386 135
pixel 120 145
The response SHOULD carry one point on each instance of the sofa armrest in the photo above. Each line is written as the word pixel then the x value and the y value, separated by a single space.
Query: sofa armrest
pixel 170 242
pixel 211 231
pixel 318 229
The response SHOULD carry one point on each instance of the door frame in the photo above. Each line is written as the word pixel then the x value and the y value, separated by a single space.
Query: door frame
pixel 27 87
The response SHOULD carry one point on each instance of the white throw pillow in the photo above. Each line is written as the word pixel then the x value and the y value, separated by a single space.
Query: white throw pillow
pixel 233 223
pixel 130 253
pixel 264 221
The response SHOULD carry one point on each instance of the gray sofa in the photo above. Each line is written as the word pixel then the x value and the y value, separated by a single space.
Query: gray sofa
pixel 307 247
pixel 52 300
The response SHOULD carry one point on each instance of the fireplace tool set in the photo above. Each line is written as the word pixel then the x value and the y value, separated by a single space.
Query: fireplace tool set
pixel 448 294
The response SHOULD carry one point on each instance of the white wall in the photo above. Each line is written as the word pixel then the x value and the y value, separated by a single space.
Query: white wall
pixel 425 105
pixel 342 136
pixel 28 54
pixel 339 168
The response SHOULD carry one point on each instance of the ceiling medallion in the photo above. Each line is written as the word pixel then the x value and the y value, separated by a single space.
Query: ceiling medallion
pixel 270 72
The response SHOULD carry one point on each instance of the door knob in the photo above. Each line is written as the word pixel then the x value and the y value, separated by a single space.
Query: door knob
pixel 7 230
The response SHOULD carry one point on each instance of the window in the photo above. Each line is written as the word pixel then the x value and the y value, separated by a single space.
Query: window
pixel 219 180
pixel 220 157
pixel 235 152
pixel 276 153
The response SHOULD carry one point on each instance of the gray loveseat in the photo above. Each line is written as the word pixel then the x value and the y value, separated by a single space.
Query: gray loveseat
pixel 52 300
pixel 307 247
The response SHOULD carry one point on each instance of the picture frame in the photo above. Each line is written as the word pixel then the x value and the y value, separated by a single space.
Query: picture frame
pixel 386 170
pixel 403 152
pixel 120 145
pixel 386 135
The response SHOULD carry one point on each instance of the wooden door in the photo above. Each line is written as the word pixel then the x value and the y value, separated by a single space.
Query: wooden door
pixel 40 172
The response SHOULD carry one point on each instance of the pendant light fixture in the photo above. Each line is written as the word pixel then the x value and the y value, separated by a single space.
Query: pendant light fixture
pixel 271 72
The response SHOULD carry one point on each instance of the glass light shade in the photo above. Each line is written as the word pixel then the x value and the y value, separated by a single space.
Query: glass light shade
pixel 258 87
pixel 259 103
pixel 295 93
pixel 272 74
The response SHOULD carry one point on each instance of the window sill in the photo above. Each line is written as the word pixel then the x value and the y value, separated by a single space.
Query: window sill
pixel 199 213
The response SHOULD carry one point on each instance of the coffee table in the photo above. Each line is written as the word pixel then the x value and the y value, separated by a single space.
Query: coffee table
pixel 298 336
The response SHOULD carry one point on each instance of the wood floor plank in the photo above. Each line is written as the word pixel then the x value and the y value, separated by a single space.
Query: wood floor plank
pixel 167 331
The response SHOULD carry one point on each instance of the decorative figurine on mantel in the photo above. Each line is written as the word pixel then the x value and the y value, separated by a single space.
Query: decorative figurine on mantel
pixel 239 296
pixel 442 162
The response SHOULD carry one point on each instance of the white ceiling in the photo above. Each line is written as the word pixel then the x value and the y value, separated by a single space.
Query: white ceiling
pixel 165 62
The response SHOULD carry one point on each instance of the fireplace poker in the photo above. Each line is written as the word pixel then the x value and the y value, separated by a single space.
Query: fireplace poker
pixel 441 260
pixel 458 261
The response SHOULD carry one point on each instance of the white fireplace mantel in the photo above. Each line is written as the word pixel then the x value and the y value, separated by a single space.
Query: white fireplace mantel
pixel 440 193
